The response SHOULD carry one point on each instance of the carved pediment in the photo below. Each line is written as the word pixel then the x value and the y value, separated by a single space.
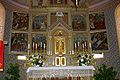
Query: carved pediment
pixel 61 25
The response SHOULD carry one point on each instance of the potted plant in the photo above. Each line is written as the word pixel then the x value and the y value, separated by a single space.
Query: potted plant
pixel 105 73
pixel 13 72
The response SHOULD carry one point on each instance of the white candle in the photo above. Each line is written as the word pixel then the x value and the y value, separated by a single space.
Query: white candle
pixel 90 45
pixel 28 46
pixel 78 43
pixel 44 45
pixel 33 45
pixel 75 45
pixel 41 44
pixel 85 44
pixel 36 46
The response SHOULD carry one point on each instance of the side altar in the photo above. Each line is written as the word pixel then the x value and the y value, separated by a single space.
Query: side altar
pixel 59 72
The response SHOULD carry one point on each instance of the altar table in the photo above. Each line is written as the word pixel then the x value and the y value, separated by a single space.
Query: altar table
pixel 74 71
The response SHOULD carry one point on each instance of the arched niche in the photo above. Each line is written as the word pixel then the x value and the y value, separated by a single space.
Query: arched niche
pixel 2 21
pixel 117 18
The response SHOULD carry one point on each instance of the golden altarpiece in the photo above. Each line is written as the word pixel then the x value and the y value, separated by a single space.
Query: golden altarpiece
pixel 59 30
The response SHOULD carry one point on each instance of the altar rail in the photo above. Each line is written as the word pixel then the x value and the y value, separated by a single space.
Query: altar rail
pixel 74 71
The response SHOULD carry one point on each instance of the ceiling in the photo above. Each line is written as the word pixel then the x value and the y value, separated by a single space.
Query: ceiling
pixel 24 3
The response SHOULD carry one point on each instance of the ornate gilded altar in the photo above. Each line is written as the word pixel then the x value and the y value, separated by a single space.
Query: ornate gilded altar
pixel 58 30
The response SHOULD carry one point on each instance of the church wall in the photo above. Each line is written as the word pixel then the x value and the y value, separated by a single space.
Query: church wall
pixel 10 58
pixel 111 58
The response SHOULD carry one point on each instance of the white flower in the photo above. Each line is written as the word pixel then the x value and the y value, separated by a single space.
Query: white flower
pixel 82 60
pixel 40 61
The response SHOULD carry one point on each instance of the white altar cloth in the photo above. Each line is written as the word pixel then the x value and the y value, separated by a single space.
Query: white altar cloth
pixel 74 71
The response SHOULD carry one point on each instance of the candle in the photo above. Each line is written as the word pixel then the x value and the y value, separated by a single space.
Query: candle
pixel 78 43
pixel 36 46
pixel 90 45
pixel 41 44
pixel 75 45
pixel 83 45
pixel 33 45
pixel 28 46
pixel 44 45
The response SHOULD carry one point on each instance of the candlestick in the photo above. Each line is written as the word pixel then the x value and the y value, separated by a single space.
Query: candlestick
pixel 78 77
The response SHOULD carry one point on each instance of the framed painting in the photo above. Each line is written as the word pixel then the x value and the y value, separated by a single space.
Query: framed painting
pixel 81 42
pixel 97 21
pixel 19 42
pixel 99 41
pixel 79 22
pixel 40 23
pixel 20 21
pixel 39 43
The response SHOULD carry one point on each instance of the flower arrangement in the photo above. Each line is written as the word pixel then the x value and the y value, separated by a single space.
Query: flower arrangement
pixel 85 59
pixel 36 60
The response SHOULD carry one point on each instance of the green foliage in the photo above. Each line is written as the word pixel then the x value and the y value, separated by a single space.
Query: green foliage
pixel 13 71
pixel 105 73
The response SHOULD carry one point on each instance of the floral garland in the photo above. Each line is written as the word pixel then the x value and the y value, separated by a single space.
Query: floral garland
pixel 85 59
pixel 36 60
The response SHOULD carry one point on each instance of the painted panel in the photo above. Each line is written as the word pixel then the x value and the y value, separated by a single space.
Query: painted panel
pixel 79 22
pixel 39 23
pixel 97 21
pixel 99 41
pixel 20 21
pixel 19 42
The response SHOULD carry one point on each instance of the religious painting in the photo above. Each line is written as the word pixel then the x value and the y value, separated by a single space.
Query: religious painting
pixel 19 42
pixel 79 22
pixel 39 43
pixel 20 21
pixel 81 42
pixel 97 21
pixel 54 18
pixel 99 41
pixel 40 23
